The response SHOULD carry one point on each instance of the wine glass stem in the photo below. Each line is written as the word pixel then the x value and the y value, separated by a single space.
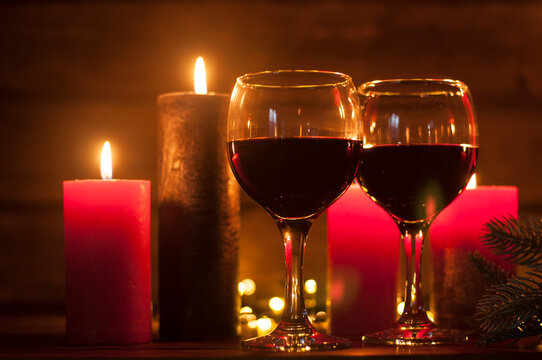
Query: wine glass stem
pixel 413 235
pixel 294 234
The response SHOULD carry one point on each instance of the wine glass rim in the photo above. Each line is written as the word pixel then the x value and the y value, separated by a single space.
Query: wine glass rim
pixel 250 79
pixel 388 87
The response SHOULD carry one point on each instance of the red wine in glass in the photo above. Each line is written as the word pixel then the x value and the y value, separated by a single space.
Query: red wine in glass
pixel 420 151
pixel 415 182
pixel 294 144
pixel 295 177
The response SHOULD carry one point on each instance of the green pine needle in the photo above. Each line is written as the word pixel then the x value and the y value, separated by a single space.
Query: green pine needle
pixel 512 306
pixel 508 305
pixel 518 239
pixel 493 273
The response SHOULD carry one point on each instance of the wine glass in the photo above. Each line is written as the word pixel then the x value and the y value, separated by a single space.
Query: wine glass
pixel 294 145
pixel 419 153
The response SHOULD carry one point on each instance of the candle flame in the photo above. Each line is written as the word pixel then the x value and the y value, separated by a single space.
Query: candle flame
pixel 472 182
pixel 106 166
pixel 200 80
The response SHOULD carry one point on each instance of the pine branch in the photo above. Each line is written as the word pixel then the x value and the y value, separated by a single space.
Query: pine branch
pixel 518 239
pixel 512 306
pixel 536 272
pixel 508 305
pixel 493 273
pixel 527 329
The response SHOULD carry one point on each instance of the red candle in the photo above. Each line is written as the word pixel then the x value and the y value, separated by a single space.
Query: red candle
pixel 455 233
pixel 364 249
pixel 108 272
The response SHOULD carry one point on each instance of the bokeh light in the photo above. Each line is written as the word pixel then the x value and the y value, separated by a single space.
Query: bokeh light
pixel 246 287
pixel 311 286
pixel 276 304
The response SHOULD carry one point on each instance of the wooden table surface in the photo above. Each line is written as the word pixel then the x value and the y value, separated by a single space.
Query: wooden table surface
pixel 39 336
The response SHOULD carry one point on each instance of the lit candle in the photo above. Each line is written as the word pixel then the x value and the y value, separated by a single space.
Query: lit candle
pixel 107 249
pixel 455 233
pixel 364 248
pixel 199 217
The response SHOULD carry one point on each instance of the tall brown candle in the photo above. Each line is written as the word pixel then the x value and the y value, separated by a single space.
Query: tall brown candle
pixel 198 219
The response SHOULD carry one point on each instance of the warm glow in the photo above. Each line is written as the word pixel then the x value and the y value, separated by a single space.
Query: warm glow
pixel 246 310
pixel 311 286
pixel 310 303
pixel 472 182
pixel 430 316
pixel 241 288
pixel 276 304
pixel 106 167
pixel 400 308
pixel 264 325
pixel 342 113
pixel 246 287
pixel 253 324
pixel 200 80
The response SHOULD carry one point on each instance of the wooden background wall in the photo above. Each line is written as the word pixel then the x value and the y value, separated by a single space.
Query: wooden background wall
pixel 73 74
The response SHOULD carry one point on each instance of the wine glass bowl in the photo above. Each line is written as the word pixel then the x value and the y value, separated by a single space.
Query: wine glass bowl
pixel 419 153
pixel 294 145
pixel 294 178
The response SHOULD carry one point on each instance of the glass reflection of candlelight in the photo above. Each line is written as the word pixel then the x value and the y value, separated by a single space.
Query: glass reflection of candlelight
pixel 400 307
pixel 472 182
pixel 430 315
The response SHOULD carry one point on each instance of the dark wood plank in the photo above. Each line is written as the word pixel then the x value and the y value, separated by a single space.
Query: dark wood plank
pixel 37 335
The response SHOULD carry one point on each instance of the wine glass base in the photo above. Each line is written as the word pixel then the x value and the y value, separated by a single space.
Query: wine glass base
pixel 308 340
pixel 419 335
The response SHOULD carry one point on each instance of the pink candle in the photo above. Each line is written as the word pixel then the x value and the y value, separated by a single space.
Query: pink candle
pixel 455 233
pixel 108 273
pixel 364 249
